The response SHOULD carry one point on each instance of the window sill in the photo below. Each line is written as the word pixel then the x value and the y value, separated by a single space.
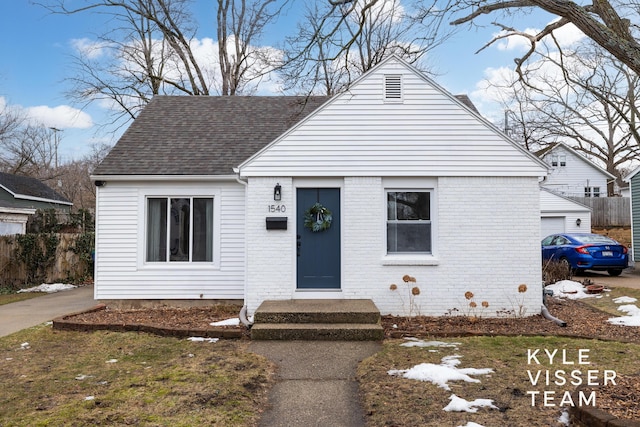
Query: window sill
pixel 410 260
pixel 178 266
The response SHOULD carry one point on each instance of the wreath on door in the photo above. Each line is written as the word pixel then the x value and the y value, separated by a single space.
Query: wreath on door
pixel 317 218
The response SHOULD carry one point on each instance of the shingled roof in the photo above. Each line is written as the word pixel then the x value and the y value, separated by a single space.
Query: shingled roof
pixel 202 135
pixel 24 187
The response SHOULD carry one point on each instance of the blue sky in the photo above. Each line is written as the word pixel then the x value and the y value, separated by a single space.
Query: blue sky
pixel 37 50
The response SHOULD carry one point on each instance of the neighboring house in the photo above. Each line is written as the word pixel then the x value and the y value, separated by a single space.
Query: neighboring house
pixel 20 197
pixel 559 214
pixel 572 174
pixel 634 188
pixel 206 198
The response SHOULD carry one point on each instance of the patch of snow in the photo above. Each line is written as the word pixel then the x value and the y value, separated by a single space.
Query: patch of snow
pixel 111 361
pixel 472 424
pixel 624 300
pixel 228 322
pixel 49 288
pixel 82 377
pixel 202 339
pixel 630 309
pixel 459 404
pixel 25 346
pixel 413 342
pixel 441 374
pixel 90 398
pixel 569 289
pixel 633 313
pixel 564 418
pixel 231 322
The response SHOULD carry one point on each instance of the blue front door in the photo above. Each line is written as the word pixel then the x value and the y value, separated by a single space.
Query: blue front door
pixel 318 261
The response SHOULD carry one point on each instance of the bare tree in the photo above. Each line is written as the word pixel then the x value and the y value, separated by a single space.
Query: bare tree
pixel 612 24
pixel 240 25
pixel 585 99
pixel 338 41
pixel 146 50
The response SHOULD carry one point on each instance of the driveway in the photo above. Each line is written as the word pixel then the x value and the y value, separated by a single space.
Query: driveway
pixel 25 314
pixel 630 278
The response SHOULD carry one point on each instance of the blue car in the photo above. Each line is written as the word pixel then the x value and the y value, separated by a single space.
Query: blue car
pixel 583 251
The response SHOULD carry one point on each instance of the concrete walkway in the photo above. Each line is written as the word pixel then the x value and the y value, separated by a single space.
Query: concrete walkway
pixel 316 382
pixel 32 312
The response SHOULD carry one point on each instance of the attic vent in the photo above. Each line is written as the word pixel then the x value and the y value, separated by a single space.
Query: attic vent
pixel 393 88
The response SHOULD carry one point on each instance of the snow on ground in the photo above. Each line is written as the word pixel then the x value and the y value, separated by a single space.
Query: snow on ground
pixel 441 374
pixel 564 418
pixel 228 322
pixel 570 290
pixel 624 300
pixel 472 424
pixel 49 288
pixel 202 339
pixel 459 404
pixel 231 322
pixel 633 313
pixel 414 342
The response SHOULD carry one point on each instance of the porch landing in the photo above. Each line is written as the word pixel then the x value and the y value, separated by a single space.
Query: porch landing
pixel 317 319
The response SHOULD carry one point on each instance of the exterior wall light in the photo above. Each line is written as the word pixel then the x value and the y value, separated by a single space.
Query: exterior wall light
pixel 578 222
pixel 277 192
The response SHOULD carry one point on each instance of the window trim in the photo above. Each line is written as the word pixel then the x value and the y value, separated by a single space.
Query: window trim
pixel 408 258
pixel 177 192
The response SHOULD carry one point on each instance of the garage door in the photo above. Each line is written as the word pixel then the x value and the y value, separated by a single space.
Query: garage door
pixel 551 225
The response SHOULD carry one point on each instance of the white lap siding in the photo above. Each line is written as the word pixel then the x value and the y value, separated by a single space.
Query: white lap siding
pixel 121 271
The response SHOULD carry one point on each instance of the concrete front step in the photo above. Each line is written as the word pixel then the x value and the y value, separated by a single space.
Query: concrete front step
pixel 317 331
pixel 319 319
pixel 318 311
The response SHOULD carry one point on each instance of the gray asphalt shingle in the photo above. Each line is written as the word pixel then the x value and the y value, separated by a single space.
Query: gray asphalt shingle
pixel 202 135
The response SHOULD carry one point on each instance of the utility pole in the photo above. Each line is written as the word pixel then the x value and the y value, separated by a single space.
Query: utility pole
pixel 56 142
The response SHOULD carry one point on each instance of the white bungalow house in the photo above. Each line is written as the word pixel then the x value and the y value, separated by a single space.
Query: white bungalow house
pixel 571 174
pixel 280 198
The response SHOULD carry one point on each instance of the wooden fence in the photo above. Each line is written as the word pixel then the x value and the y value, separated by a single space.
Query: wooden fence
pixel 608 211
pixel 67 265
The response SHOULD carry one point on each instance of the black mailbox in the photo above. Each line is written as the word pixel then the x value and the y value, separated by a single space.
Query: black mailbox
pixel 276 223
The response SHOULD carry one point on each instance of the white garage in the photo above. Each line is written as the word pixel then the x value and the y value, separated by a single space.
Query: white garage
pixel 559 214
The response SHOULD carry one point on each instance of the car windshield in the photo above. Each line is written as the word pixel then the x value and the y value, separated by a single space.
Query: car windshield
pixel 595 238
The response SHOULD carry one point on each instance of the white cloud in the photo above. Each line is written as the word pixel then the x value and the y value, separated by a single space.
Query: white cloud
pixel 62 116
pixel 566 36
pixel 88 48
pixel 516 42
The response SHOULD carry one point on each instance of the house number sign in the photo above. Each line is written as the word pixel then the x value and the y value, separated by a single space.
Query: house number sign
pixel 276 208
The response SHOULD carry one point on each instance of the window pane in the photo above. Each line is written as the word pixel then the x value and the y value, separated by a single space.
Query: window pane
pixel 408 206
pixel 179 226
pixel 409 237
pixel 409 221
pixel 157 230
pixel 203 230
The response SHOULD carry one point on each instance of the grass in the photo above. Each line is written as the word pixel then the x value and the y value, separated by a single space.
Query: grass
pixel 392 400
pixel 606 303
pixel 15 297
pixel 77 379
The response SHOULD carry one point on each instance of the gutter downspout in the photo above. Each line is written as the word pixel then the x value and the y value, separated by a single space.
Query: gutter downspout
pixel 545 312
pixel 243 311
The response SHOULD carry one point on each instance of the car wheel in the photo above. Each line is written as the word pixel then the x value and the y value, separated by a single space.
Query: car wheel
pixel 565 262
pixel 614 272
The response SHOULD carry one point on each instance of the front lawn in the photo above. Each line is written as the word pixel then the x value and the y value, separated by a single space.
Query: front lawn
pixel 61 378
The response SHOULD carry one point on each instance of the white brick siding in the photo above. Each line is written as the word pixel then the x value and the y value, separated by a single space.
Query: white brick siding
pixel 486 241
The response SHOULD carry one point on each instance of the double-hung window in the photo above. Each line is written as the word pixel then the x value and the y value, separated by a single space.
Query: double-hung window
pixel 179 229
pixel 409 222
